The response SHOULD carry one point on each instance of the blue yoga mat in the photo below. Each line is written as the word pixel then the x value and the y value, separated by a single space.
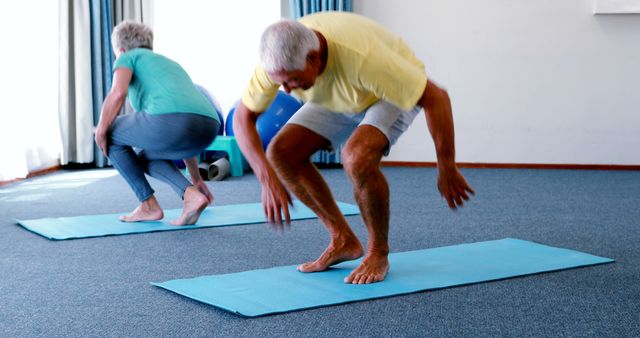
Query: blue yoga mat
pixel 283 289
pixel 104 225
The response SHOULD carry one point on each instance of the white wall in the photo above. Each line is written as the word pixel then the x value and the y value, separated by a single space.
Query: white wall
pixel 532 81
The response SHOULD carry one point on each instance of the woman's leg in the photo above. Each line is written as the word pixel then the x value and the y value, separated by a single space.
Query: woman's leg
pixel 163 137
pixel 165 171
pixel 124 158
pixel 178 136
pixel 201 132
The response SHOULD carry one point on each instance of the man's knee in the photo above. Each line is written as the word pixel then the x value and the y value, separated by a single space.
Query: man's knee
pixel 359 160
pixel 293 146
pixel 276 152
pixel 283 153
pixel 364 150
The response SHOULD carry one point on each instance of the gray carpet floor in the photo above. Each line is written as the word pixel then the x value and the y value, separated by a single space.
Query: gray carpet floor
pixel 100 287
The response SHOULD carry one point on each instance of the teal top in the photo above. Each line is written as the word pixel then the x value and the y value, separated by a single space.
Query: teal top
pixel 161 86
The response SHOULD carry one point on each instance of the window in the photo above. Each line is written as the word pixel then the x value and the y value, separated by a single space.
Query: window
pixel 29 132
pixel 215 41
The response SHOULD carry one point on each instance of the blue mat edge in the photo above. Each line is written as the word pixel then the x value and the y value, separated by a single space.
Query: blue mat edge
pixel 19 223
pixel 183 227
pixel 159 284
pixel 604 260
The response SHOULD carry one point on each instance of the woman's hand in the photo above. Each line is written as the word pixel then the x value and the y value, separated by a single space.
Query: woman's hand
pixel 204 189
pixel 111 106
pixel 101 139
pixel 196 179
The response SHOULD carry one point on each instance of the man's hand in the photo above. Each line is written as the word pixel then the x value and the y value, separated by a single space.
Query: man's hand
pixel 453 187
pixel 275 201
pixel 275 197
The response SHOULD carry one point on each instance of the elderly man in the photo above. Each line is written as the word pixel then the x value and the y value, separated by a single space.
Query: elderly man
pixel 362 87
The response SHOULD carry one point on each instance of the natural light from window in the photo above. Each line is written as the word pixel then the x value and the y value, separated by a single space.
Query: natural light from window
pixel 29 132
pixel 215 41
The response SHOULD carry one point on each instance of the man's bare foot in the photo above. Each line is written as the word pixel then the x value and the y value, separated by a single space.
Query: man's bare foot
pixel 337 251
pixel 148 210
pixel 373 269
pixel 194 204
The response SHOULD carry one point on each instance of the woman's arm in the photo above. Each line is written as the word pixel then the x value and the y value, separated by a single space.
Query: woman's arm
pixel 196 179
pixel 111 106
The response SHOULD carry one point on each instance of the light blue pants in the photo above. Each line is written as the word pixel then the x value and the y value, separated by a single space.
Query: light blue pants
pixel 142 143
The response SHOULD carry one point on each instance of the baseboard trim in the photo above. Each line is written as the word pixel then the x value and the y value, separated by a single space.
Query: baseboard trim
pixel 33 174
pixel 518 165
pixel 433 165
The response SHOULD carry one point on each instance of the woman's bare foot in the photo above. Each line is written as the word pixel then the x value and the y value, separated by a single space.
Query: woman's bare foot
pixel 194 204
pixel 373 269
pixel 149 210
pixel 337 251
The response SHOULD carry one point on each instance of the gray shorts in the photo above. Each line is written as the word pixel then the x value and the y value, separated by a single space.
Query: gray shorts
pixel 337 127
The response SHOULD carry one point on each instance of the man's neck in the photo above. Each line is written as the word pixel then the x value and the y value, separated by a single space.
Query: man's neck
pixel 324 52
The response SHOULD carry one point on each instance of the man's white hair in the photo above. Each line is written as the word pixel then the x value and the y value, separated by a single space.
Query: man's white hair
pixel 285 44
pixel 131 34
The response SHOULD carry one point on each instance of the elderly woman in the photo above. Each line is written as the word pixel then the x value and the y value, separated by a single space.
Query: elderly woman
pixel 173 120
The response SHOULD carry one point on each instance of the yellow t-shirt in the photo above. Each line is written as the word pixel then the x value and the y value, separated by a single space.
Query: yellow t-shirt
pixel 365 63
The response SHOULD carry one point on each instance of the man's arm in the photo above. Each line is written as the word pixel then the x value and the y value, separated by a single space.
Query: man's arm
pixel 275 197
pixel 437 108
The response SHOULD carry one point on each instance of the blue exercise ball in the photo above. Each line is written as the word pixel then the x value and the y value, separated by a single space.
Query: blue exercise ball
pixel 215 105
pixel 229 123
pixel 272 119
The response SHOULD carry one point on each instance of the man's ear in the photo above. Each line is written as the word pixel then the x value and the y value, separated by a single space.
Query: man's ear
pixel 313 58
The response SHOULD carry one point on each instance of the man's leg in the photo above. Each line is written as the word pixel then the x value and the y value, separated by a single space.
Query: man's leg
pixel 381 126
pixel 289 153
pixel 361 158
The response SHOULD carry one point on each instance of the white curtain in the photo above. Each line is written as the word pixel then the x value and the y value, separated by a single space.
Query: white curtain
pixel 75 90
pixel 79 101
pixel 300 8
pixel 138 10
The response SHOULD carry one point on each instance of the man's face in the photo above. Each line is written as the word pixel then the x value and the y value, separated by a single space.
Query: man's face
pixel 297 79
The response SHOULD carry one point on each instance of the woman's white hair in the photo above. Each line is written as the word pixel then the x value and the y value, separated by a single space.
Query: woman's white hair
pixel 131 34
pixel 285 44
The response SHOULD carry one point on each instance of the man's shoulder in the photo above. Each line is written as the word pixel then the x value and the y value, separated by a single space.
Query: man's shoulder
pixel 331 22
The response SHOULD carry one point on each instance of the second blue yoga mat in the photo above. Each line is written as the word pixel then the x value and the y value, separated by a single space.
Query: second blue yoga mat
pixel 282 289
pixel 104 225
